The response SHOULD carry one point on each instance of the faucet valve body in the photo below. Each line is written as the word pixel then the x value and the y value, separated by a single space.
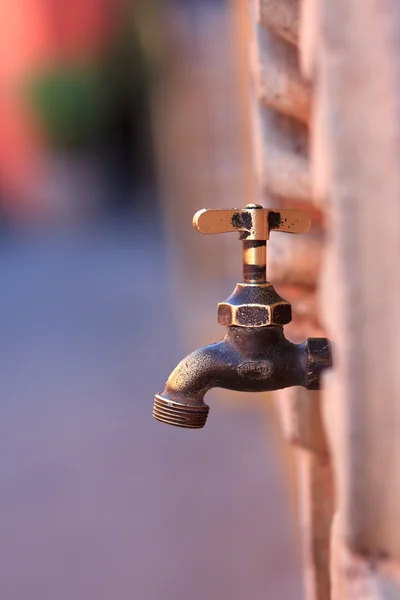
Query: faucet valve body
pixel 254 355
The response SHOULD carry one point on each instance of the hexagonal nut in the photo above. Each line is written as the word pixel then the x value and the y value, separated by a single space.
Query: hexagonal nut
pixel 254 315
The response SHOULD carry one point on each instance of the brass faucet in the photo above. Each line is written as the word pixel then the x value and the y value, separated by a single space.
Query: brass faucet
pixel 254 355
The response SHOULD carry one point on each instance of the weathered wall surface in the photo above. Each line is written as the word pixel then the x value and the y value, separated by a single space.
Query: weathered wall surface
pixel 353 58
pixel 324 97
pixel 327 123
pixel 282 108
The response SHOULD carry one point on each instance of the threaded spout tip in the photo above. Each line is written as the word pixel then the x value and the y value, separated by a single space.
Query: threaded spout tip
pixel 178 414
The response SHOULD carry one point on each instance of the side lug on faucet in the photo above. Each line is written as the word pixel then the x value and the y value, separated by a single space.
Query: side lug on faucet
pixel 254 355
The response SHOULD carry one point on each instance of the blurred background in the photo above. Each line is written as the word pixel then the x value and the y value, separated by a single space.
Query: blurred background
pixel 118 120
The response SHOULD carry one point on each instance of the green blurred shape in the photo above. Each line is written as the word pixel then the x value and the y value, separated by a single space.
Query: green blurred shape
pixel 73 104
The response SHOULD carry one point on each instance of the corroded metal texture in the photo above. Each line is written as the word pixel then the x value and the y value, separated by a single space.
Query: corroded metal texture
pixel 252 223
pixel 181 415
pixel 255 261
pixel 254 355
pixel 247 359
pixel 254 305
pixel 319 358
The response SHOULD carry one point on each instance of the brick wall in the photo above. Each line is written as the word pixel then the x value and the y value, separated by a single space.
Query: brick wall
pixel 326 89
pixel 282 108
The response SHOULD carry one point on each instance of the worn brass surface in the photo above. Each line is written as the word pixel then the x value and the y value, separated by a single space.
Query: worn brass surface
pixel 178 414
pixel 247 359
pixel 254 355
pixel 255 261
pixel 252 222
pixel 254 305
pixel 255 255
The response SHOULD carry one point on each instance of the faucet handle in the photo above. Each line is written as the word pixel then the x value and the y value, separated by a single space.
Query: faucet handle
pixel 252 223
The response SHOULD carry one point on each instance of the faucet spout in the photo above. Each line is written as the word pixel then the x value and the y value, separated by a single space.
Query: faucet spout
pixel 247 359
pixel 181 402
